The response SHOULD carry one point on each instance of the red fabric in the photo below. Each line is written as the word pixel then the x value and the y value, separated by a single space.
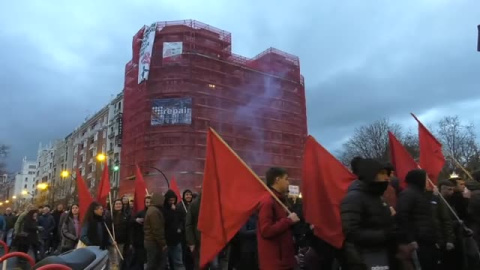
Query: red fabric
pixel 325 183
pixel 140 191
pixel 104 188
pixel 174 188
pixel 276 249
pixel 401 159
pixel 230 195
pixel 431 156
pixel 84 196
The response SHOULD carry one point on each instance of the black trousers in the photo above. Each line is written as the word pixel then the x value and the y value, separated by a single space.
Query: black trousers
pixel 427 257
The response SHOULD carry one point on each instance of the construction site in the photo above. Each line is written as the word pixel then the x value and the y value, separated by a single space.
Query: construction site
pixel 182 79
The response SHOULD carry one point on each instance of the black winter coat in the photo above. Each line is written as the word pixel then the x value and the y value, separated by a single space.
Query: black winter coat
pixel 443 222
pixel 366 218
pixel 460 204
pixel 414 216
pixel 173 221
pixel 136 233
pixel 367 221
pixel 121 221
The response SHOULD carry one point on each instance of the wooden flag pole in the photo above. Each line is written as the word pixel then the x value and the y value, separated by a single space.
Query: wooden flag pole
pixel 111 237
pixel 252 172
pixel 444 200
pixel 450 155
pixel 111 212
pixel 184 207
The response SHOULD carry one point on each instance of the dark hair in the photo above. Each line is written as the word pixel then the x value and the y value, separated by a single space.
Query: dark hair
pixel 354 164
pixel 89 214
pixel 273 173
pixel 29 215
pixel 445 183
pixel 114 202
pixel 70 214
pixel 147 197
pixel 46 205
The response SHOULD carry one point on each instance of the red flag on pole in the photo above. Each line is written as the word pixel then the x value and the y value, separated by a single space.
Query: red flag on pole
pixel 325 183
pixel 84 196
pixel 231 193
pixel 401 159
pixel 140 191
pixel 104 187
pixel 174 188
pixel 431 156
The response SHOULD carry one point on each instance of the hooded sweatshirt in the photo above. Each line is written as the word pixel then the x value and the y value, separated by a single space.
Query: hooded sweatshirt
pixel 154 224
pixel 414 211
pixel 366 218
pixel 173 220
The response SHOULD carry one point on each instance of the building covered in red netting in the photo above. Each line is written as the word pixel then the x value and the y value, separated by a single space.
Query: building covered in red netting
pixel 190 80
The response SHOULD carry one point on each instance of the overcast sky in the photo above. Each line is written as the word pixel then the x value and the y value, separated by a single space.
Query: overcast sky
pixel 362 59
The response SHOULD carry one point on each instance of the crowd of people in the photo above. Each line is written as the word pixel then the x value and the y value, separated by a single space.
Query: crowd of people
pixel 387 225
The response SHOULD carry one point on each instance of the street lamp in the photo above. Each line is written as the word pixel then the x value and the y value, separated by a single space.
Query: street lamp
pixel 64 174
pixel 101 157
pixel 7 201
pixel 42 186
pixel 24 192
pixel 14 197
pixel 149 167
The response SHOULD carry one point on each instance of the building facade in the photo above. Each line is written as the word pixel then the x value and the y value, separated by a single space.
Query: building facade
pixel 82 147
pixel 114 141
pixel 25 179
pixel 183 78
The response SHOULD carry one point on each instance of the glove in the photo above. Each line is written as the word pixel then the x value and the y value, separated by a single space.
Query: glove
pixel 467 232
pixel 450 246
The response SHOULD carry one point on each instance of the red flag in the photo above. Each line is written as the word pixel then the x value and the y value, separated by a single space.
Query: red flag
pixel 84 196
pixel 401 159
pixel 325 183
pixel 174 188
pixel 231 193
pixel 431 156
pixel 140 191
pixel 104 188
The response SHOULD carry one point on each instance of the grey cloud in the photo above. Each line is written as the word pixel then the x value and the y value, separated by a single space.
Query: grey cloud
pixel 361 59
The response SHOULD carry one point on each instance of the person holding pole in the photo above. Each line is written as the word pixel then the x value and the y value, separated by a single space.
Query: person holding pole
pixel 276 250
pixel 94 232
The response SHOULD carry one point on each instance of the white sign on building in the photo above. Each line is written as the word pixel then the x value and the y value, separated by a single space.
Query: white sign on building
pixel 172 50
pixel 146 52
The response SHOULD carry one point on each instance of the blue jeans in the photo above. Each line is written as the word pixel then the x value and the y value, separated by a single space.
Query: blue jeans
pixel 175 257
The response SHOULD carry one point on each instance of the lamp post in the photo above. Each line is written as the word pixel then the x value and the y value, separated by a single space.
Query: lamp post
pixel 64 175
pixel 25 192
pixel 117 164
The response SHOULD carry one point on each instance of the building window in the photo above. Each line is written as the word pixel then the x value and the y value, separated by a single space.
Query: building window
pixel 32 167
pixel 25 186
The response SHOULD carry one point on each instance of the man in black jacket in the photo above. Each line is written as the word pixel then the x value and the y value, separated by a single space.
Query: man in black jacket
pixel 173 231
pixel 414 216
pixel 137 235
pixel 367 220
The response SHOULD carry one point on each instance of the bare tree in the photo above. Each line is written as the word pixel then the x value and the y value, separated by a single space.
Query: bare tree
pixel 460 142
pixel 371 141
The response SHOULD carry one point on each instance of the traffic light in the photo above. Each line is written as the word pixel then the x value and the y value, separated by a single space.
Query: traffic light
pixel 116 167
